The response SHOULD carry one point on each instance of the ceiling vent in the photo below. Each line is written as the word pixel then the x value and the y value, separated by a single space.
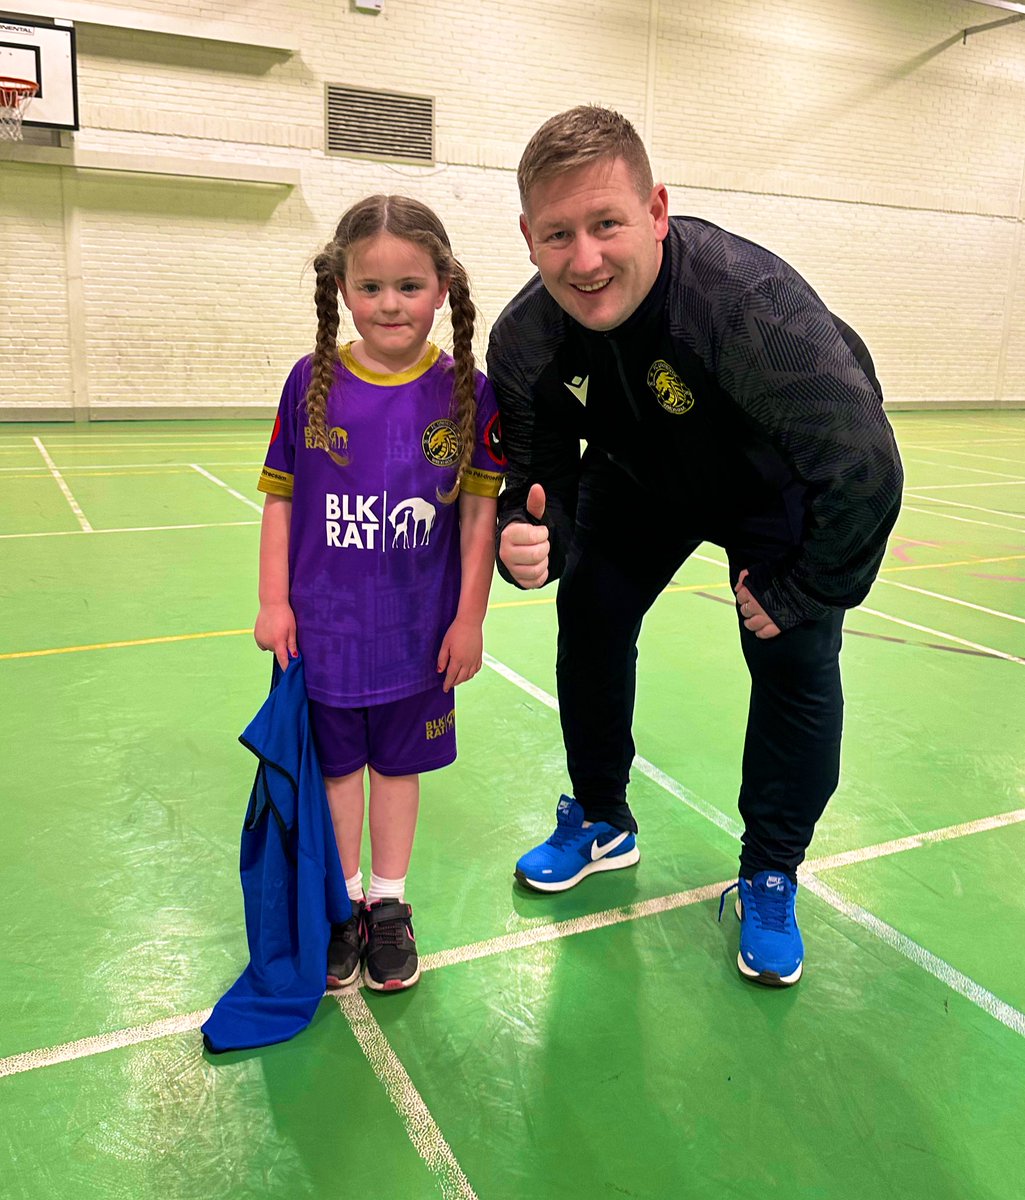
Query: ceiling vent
pixel 381 125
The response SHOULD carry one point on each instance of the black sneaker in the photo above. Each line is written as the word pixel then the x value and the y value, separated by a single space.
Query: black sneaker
pixel 345 950
pixel 391 958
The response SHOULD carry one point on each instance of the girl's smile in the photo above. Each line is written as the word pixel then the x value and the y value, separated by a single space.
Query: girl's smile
pixel 393 292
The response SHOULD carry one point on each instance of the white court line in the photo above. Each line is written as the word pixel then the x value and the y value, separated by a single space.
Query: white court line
pixel 129 444
pixel 993 512
pixel 945 516
pixel 915 840
pixel 101 1043
pixel 727 824
pixel 421 1128
pixel 675 788
pixel 126 529
pixel 974 454
pixel 249 466
pixel 921 957
pixel 923 462
pixel 974 425
pixel 716 562
pixel 949 637
pixel 947 487
pixel 230 490
pixel 538 935
pixel 86 527
pixel 534 935
pixel 943 971
pixel 993 612
pixel 939 449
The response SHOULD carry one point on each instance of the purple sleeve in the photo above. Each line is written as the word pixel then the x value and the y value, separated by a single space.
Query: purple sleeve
pixel 483 477
pixel 278 474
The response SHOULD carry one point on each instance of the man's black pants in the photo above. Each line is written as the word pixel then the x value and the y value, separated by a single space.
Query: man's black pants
pixel 625 551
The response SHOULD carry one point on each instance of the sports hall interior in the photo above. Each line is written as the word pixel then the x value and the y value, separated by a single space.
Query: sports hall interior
pixel 155 289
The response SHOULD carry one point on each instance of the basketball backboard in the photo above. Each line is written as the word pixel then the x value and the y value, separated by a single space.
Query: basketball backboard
pixel 44 54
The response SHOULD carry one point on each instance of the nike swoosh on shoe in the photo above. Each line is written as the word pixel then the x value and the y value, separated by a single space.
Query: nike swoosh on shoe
pixel 600 851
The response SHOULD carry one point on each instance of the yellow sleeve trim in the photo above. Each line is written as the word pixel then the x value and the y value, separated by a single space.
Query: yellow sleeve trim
pixel 275 483
pixel 481 483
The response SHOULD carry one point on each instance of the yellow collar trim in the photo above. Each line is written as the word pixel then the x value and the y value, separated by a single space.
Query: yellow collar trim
pixel 388 379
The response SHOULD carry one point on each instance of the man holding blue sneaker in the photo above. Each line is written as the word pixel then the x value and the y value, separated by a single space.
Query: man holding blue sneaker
pixel 721 401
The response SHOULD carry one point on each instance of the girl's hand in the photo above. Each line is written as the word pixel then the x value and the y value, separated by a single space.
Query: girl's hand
pixel 275 630
pixel 461 653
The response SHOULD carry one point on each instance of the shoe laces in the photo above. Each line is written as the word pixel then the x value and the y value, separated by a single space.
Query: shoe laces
pixel 770 908
pixel 722 896
pixel 564 834
pixel 391 931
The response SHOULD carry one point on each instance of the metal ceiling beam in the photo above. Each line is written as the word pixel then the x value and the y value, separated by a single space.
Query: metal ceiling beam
pixel 1011 7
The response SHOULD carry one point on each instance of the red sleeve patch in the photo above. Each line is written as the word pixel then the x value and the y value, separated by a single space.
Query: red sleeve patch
pixel 493 441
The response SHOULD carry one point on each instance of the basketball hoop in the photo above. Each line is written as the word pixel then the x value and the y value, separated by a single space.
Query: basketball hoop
pixel 14 97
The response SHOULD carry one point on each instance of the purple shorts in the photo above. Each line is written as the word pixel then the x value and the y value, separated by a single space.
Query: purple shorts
pixel 401 737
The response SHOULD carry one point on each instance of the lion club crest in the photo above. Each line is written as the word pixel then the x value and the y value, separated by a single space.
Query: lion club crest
pixel 670 390
pixel 441 443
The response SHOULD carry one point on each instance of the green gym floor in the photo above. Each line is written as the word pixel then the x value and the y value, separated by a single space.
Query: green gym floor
pixel 596 1044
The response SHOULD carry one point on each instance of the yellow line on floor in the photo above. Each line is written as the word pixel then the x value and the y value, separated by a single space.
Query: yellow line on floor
pixel 190 637
pixel 154 641
pixel 964 562
pixel 691 587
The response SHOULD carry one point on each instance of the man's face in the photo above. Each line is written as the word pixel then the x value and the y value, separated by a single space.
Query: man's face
pixel 596 242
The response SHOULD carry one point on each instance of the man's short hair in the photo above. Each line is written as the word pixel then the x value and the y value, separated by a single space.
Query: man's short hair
pixel 577 138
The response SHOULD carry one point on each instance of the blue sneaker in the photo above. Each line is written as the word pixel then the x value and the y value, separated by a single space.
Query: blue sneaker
pixel 574 851
pixel 771 948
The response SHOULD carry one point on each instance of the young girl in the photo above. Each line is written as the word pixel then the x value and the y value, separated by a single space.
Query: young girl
pixel 377 549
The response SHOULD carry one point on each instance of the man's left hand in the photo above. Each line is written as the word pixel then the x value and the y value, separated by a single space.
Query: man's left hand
pixel 756 619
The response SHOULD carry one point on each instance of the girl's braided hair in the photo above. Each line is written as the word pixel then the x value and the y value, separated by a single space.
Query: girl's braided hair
pixel 413 222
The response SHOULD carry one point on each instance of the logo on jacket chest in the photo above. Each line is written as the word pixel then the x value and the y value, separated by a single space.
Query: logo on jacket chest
pixel 670 390
pixel 577 387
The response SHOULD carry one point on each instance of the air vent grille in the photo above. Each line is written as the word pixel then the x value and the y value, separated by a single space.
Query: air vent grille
pixel 382 125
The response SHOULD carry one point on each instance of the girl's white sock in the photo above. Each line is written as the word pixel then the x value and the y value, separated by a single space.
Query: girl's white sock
pixel 354 886
pixel 381 887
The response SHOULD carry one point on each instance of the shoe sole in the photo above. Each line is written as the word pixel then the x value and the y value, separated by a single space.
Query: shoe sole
pixel 334 982
pixel 769 978
pixel 391 985
pixel 765 978
pixel 603 864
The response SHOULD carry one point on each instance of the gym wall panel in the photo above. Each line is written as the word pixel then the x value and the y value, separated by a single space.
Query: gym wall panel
pixel 870 143
pixel 35 358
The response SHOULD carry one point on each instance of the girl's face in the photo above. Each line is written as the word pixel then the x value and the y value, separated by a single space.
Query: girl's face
pixel 393 291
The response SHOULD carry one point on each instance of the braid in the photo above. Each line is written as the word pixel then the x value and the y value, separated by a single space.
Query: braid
pixel 415 223
pixel 464 394
pixel 325 357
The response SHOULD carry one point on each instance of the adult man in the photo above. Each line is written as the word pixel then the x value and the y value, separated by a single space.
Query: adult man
pixel 720 400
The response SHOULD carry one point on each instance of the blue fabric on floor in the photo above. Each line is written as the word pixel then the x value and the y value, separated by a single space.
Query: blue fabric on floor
pixel 292 883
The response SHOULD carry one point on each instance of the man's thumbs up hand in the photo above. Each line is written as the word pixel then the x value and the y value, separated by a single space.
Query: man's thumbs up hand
pixel 524 548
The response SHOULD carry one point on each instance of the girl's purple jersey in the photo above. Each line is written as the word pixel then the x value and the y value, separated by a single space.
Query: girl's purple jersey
pixel 373 554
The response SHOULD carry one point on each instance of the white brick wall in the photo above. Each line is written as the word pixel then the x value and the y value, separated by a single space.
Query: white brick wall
pixel 34 358
pixel 863 142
